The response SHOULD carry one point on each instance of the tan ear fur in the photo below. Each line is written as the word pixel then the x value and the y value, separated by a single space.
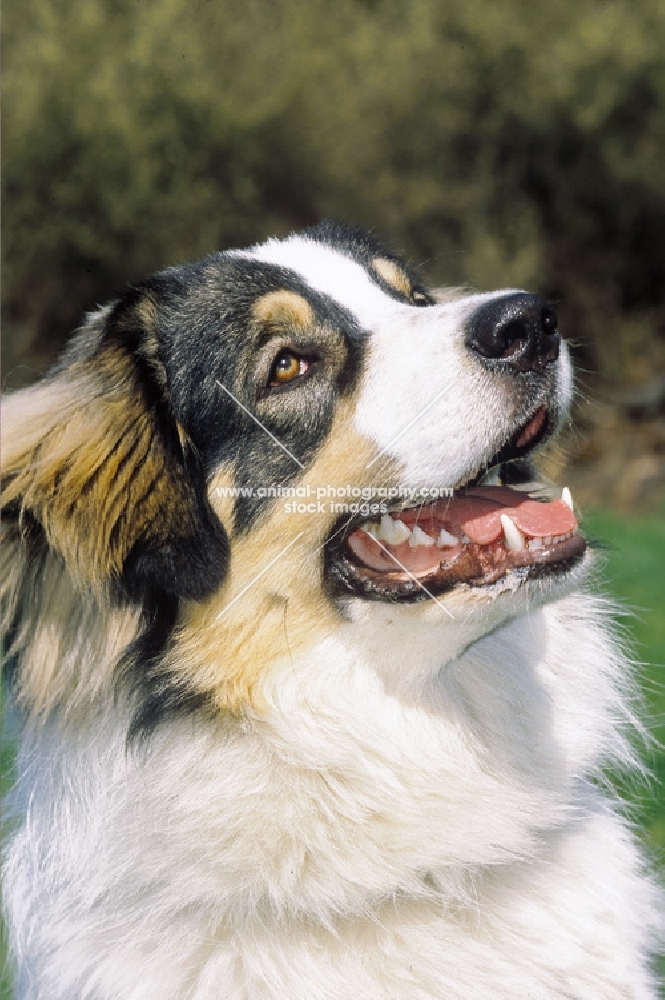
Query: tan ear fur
pixel 81 456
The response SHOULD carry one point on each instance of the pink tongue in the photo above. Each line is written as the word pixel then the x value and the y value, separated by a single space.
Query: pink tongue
pixel 478 514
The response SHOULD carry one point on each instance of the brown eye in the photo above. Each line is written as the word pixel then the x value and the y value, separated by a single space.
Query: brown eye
pixel 287 367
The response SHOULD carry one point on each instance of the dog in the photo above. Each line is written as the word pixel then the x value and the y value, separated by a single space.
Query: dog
pixel 315 697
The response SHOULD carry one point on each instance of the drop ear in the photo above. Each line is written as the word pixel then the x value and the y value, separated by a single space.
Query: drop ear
pixel 95 456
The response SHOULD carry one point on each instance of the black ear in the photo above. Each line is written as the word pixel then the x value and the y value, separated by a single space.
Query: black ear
pixel 97 457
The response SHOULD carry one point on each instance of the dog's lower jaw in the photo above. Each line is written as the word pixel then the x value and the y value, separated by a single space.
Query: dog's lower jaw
pixel 436 632
pixel 346 824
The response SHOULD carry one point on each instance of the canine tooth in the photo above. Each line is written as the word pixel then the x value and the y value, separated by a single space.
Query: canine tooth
pixel 566 497
pixel 535 543
pixel 445 539
pixel 513 535
pixel 419 537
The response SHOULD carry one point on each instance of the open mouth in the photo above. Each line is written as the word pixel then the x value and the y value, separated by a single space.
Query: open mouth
pixel 480 534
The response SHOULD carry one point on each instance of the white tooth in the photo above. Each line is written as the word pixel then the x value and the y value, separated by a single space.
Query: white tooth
pixel 465 538
pixel 419 537
pixel 392 532
pixel 566 497
pixel 385 529
pixel 547 540
pixel 513 535
pixel 445 539
pixel 400 532
pixel 371 527
pixel 535 543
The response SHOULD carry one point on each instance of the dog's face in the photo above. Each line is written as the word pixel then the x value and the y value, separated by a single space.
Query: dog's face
pixel 270 445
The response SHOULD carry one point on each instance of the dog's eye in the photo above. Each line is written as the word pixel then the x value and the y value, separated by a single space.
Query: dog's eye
pixel 287 367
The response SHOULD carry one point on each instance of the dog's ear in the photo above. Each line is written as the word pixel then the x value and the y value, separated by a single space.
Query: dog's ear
pixel 95 455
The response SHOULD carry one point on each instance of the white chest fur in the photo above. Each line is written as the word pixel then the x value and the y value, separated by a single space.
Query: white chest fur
pixel 350 842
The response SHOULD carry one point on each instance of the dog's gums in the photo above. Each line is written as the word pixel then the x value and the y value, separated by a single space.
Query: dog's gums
pixel 475 537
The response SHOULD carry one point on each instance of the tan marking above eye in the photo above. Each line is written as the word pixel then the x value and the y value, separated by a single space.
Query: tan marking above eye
pixel 283 309
pixel 393 275
pixel 287 367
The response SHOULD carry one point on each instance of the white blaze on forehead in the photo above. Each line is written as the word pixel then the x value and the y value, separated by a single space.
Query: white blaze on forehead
pixel 332 273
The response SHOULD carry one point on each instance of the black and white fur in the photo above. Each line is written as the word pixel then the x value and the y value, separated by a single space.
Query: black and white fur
pixel 231 787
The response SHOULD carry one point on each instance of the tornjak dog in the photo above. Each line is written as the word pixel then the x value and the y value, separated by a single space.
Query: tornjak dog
pixel 313 697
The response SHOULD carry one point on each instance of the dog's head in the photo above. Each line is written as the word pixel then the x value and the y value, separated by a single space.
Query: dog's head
pixel 241 455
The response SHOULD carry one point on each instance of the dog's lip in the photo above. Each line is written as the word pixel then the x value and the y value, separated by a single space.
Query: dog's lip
pixel 475 561
pixel 529 435
pixel 475 566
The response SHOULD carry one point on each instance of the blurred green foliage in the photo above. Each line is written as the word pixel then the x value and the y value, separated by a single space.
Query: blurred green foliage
pixel 497 144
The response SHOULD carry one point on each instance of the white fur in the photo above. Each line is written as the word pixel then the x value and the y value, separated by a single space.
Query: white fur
pixel 420 379
pixel 414 815
pixel 349 843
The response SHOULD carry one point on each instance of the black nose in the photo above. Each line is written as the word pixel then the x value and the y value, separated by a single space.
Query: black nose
pixel 516 333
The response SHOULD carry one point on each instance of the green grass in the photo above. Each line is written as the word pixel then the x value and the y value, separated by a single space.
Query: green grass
pixel 6 764
pixel 635 574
